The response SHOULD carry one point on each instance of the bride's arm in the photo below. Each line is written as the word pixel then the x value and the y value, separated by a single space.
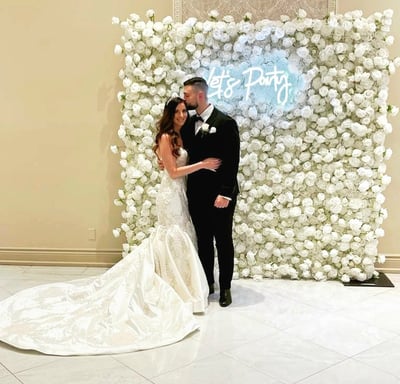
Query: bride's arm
pixel 169 161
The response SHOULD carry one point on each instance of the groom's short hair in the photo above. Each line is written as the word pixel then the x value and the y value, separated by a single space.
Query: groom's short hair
pixel 197 82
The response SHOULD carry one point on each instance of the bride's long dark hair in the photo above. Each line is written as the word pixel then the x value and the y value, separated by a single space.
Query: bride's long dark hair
pixel 166 125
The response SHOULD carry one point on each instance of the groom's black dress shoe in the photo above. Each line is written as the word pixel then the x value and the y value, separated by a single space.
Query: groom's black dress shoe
pixel 211 289
pixel 225 298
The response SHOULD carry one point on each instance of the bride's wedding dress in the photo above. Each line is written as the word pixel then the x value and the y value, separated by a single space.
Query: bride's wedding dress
pixel 144 301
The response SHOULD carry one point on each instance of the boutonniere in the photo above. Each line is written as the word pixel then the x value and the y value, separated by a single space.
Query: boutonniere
pixel 206 129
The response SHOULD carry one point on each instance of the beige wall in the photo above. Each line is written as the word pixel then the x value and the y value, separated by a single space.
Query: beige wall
pixel 59 116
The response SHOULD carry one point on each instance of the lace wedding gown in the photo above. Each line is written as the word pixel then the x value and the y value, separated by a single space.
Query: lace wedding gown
pixel 144 301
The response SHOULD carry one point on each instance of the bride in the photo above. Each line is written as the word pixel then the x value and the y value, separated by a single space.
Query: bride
pixel 144 301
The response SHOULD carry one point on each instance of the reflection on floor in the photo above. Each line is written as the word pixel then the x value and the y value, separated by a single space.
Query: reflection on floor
pixel 275 332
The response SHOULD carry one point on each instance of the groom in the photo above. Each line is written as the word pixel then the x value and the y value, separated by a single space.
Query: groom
pixel 212 195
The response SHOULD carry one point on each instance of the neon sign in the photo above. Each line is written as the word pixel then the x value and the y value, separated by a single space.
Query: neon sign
pixel 264 80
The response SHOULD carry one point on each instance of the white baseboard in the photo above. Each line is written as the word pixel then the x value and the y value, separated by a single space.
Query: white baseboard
pixel 391 264
pixel 61 257
pixel 107 258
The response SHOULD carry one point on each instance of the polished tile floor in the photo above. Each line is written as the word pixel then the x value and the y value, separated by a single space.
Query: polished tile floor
pixel 275 332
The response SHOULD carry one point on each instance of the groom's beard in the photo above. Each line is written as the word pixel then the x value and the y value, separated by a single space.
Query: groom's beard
pixel 191 107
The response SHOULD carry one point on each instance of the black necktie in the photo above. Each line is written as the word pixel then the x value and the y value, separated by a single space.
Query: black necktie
pixel 198 118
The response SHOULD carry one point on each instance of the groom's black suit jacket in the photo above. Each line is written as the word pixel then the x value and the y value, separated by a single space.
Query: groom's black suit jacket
pixel 204 185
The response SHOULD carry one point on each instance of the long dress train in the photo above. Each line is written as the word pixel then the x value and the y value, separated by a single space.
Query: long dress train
pixel 144 301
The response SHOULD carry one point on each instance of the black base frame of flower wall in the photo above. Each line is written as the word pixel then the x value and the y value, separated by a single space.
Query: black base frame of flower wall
pixel 381 281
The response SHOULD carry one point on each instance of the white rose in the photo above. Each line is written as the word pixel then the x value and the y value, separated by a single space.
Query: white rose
pixel 125 227
pixel 117 49
pixel 322 121
pixel 364 186
pixel 381 258
pixel 118 203
pixel 371 248
pixel 334 204
pixel 386 180
pixel 345 278
pixel 150 13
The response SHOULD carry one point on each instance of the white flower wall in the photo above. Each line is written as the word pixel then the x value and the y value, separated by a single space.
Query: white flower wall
pixel 312 177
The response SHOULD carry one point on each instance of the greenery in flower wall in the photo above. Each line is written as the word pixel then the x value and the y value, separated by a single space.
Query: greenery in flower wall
pixel 312 172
